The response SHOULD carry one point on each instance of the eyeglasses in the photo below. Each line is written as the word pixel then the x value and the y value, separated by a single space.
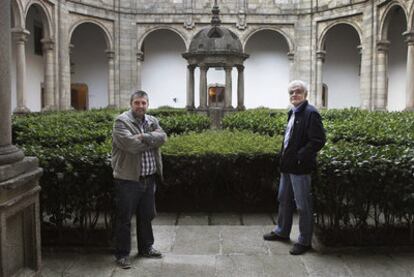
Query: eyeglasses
pixel 296 91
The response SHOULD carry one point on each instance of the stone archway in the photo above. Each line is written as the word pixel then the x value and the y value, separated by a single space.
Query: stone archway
pixel 164 84
pixel 92 66
pixel 268 69
pixel 340 59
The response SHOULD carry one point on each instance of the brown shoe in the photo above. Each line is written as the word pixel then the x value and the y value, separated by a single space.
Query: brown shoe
pixel 274 237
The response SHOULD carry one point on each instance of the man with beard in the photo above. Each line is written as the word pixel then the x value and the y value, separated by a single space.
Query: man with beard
pixel 136 162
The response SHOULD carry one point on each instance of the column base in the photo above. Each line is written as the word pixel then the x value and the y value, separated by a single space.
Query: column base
pixel 190 108
pixel 21 110
pixel 10 154
pixel 49 108
pixel 409 109
pixel 112 106
pixel 241 108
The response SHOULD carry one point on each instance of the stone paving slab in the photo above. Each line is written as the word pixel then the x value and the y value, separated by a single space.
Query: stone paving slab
pixel 194 248
pixel 165 219
pixel 197 240
pixel 257 219
pixel 193 219
pixel 225 219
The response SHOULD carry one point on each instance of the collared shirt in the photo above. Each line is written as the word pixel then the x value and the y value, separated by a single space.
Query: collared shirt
pixel 148 163
pixel 289 127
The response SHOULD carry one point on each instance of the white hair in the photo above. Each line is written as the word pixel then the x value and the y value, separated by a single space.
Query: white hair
pixel 298 83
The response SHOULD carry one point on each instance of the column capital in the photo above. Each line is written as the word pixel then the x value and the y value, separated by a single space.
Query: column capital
pixel 240 67
pixel 110 54
pixel 383 45
pixel 291 56
pixel 140 56
pixel 20 34
pixel 48 44
pixel 409 37
pixel 228 68
pixel 191 67
pixel 203 67
pixel 320 55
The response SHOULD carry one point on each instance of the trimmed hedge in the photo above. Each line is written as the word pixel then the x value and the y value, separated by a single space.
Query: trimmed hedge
pixel 365 181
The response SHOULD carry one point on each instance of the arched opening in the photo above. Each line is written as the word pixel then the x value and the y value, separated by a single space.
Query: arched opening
pixel 397 60
pixel 163 72
pixel 35 75
pixel 341 70
pixel 267 70
pixel 89 67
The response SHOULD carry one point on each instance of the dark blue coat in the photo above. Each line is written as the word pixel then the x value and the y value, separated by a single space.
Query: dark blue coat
pixel 307 138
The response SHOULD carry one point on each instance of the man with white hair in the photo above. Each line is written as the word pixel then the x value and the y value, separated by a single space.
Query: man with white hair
pixel 304 137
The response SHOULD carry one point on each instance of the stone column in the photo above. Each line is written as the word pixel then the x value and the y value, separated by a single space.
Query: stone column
pixel 240 88
pixel 320 59
pixel 203 87
pixel 409 104
pixel 111 75
pixel 49 86
pixel 140 59
pixel 228 93
pixel 382 75
pixel 190 87
pixel 291 57
pixel 19 190
pixel 20 38
pixel 67 101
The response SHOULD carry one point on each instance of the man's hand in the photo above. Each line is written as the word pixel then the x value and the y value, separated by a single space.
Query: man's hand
pixel 139 137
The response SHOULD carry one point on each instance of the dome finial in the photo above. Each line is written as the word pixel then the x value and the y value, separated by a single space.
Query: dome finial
pixel 215 20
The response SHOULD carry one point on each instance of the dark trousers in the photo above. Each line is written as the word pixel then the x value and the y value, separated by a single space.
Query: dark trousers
pixel 134 197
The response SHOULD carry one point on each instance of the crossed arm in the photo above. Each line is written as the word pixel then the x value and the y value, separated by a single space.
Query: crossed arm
pixel 136 143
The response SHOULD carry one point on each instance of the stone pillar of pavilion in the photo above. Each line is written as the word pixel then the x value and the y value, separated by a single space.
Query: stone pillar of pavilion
pixel 240 88
pixel 20 38
pixel 382 75
pixel 49 86
pixel 111 75
pixel 409 104
pixel 190 88
pixel 320 59
pixel 19 175
pixel 203 88
pixel 229 88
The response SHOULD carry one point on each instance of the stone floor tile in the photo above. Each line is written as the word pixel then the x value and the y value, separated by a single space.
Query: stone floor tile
pixel 225 219
pixel 257 219
pixel 54 264
pixel 374 266
pixel 239 266
pixel 243 240
pixel 283 265
pixel 140 267
pixel 91 265
pixel 188 266
pixel 197 240
pixel 165 219
pixel 324 265
pixel 406 261
pixel 164 237
pixel 193 219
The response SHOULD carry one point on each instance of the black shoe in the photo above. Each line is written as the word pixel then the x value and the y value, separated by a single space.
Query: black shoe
pixel 123 263
pixel 273 236
pixel 299 249
pixel 151 253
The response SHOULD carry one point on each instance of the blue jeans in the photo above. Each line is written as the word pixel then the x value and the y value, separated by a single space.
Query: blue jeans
pixel 134 198
pixel 295 188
